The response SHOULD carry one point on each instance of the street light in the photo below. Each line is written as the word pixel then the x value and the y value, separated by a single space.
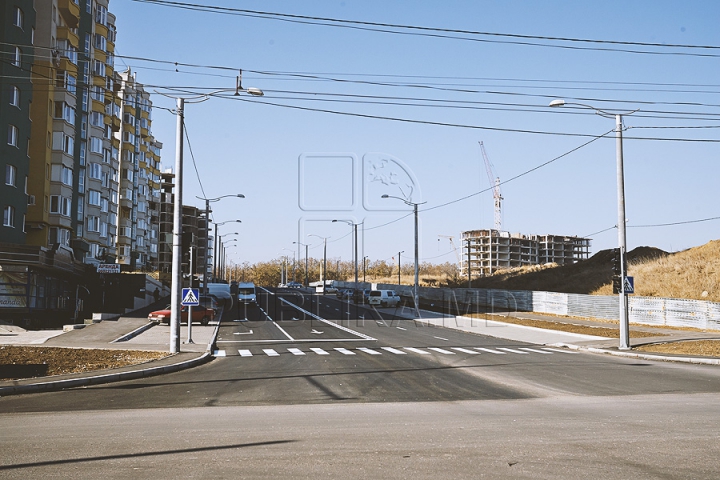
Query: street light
pixel 417 271
pixel 294 264
pixel 216 263
pixel 354 225
pixel 622 241
pixel 306 260
pixel 207 233
pixel 364 268
pixel 224 249
pixel 175 290
pixel 399 253
pixel 324 269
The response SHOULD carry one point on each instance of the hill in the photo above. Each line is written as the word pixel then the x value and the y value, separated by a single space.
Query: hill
pixel 691 274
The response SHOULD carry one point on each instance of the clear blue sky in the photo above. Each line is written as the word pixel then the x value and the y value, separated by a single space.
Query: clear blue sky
pixel 412 106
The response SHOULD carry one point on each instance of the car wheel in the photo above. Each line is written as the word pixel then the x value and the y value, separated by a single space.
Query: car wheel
pixel 205 320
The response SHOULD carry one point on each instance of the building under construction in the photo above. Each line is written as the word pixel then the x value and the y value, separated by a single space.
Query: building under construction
pixel 487 251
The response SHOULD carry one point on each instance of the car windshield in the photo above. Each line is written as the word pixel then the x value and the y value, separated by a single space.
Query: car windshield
pixel 246 291
pixel 375 293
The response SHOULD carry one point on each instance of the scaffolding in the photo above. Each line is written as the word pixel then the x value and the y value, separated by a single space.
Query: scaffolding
pixel 487 251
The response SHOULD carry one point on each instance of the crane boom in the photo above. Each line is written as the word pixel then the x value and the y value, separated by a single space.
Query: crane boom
pixel 495 184
pixel 452 244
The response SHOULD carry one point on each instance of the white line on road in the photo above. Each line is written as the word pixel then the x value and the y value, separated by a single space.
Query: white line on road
pixel 270 352
pixel 345 351
pixel 219 353
pixel 245 353
pixel 441 338
pixel 417 350
pixel 441 350
pixel 401 328
pixel 319 351
pixel 490 351
pixel 559 351
pixel 394 350
pixel 296 351
pixel 536 351
pixel 513 351
pixel 369 351
pixel 465 350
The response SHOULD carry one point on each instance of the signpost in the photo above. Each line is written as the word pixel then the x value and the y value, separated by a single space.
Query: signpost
pixel 190 298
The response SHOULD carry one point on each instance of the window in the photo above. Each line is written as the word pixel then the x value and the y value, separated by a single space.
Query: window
pixel 100 42
pixel 93 223
pixel 98 68
pixel 96 145
pixel 140 241
pixel 66 81
pixel 104 205
pixel 12 135
pixel 10 175
pixel 60 204
pixel 61 173
pixel 65 112
pixel 97 119
pixel 63 142
pixel 9 216
pixel 95 171
pixel 101 15
pixel 94 197
pixel 103 229
pixel 14 96
pixel 81 180
pixel 17 57
pixel 59 235
pixel 18 17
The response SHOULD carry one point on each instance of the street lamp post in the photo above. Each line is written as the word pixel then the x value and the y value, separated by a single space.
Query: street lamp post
pixel 399 253
pixel 207 233
pixel 225 245
pixel 364 268
pixel 622 240
pixel 306 260
pixel 355 228
pixel 417 266
pixel 216 252
pixel 324 269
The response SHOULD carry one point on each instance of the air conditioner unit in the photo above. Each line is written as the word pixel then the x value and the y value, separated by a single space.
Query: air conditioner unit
pixel 31 199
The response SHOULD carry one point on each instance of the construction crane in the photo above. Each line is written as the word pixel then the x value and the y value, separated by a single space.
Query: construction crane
pixel 452 244
pixel 495 184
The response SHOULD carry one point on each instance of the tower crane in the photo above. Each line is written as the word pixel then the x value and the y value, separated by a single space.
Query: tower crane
pixel 452 244
pixel 495 184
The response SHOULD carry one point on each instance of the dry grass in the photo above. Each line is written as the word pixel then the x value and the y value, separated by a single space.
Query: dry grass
pixel 703 348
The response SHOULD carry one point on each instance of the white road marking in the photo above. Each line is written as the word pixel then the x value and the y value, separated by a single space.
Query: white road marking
pixel 441 350
pixel 315 332
pixel 490 351
pixel 513 351
pixel 345 351
pixel 559 351
pixel 319 351
pixel 369 350
pixel 245 353
pixel 441 338
pixel 296 351
pixel 417 350
pixel 244 333
pixel 465 350
pixel 219 353
pixel 270 352
pixel 401 328
pixel 536 351
pixel 394 350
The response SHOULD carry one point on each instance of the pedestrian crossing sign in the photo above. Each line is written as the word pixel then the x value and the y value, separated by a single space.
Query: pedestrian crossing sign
pixel 629 286
pixel 191 296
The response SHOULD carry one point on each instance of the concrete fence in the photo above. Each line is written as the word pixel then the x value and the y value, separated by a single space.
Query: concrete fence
pixel 642 310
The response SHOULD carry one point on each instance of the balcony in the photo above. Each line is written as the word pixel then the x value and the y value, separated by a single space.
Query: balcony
pixel 70 11
pixel 66 33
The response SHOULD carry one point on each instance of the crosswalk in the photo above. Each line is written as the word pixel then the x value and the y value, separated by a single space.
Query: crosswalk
pixel 272 352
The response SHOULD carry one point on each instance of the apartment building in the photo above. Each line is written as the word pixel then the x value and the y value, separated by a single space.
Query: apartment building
pixel 486 252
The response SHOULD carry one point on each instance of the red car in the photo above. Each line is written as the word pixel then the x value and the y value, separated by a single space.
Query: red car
pixel 199 314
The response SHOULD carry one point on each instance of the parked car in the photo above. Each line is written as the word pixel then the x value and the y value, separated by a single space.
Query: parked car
pixel 341 293
pixel 384 298
pixel 199 314
pixel 361 295
pixel 294 285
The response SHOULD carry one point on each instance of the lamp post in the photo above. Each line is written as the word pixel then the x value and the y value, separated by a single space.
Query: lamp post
pixel 225 245
pixel 622 240
pixel 417 266
pixel 324 269
pixel 176 286
pixel 364 268
pixel 355 228
pixel 216 253
pixel 306 260
pixel 399 253
pixel 207 233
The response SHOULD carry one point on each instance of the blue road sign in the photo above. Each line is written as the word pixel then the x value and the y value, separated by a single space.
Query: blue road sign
pixel 629 286
pixel 191 296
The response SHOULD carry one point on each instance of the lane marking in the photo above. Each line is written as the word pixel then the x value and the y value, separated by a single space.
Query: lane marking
pixel 319 351
pixel 490 351
pixel 270 352
pixel 394 350
pixel 513 351
pixel 369 351
pixel 332 324
pixel 345 351
pixel 244 333
pixel 536 351
pixel 219 353
pixel 281 329
pixel 417 350
pixel 441 338
pixel 560 351
pixel 401 328
pixel 441 350
pixel 245 353
pixel 296 351
pixel 465 350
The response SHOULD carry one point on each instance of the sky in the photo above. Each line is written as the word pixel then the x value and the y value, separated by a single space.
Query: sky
pixel 370 98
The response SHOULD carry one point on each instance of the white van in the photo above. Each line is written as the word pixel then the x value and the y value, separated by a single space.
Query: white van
pixel 246 292
pixel 384 298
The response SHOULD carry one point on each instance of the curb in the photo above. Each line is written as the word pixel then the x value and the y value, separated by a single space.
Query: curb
pixel 641 356
pixel 134 333
pixel 101 379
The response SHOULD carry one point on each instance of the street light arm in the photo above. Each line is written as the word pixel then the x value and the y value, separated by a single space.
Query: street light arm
pixel 559 102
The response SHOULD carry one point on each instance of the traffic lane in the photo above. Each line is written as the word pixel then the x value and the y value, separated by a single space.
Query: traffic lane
pixel 330 307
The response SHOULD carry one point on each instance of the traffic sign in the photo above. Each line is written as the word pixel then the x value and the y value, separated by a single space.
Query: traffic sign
pixel 629 286
pixel 191 296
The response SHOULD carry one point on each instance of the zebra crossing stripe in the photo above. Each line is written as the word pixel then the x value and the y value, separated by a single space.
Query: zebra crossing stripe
pixel 319 351
pixel 296 351
pixel 465 350
pixel 369 351
pixel 513 351
pixel 536 351
pixel 559 351
pixel 245 353
pixel 394 350
pixel 441 350
pixel 345 351
pixel 417 350
pixel 219 353
pixel 490 351
pixel 270 352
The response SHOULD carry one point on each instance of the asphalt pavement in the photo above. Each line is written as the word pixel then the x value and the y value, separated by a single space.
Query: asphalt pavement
pixel 134 332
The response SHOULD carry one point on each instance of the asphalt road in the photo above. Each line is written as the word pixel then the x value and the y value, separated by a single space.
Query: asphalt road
pixel 317 387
